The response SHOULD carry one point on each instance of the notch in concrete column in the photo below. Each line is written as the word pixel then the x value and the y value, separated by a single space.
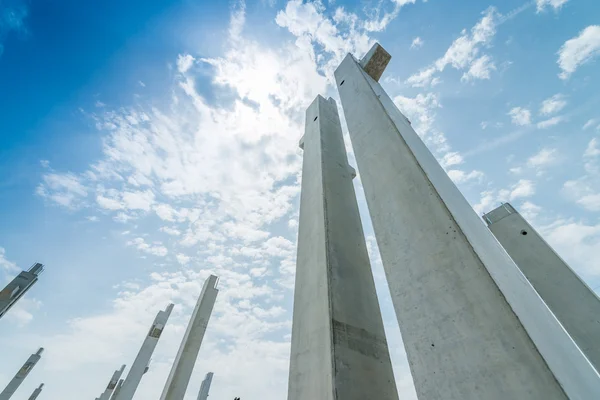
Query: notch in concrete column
pixel 375 61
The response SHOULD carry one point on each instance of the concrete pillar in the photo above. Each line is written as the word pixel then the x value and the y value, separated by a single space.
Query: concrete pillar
pixel 112 384
pixel 117 389
pixel 182 368
pixel 339 350
pixel 18 287
pixel 14 384
pixel 472 326
pixel 575 305
pixel 140 365
pixel 36 392
pixel 205 387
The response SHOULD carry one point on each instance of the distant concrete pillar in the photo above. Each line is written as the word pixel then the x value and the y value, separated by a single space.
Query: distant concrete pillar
pixel 472 326
pixel 112 384
pixel 140 365
pixel 117 389
pixel 339 349
pixel 205 387
pixel 14 384
pixel 182 368
pixel 575 305
pixel 18 287
pixel 36 392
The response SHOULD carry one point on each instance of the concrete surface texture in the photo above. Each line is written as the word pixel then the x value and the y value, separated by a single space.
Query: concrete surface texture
pixel 205 387
pixel 464 337
pixel 575 305
pixel 112 384
pixel 142 360
pixel 339 350
pixel 15 289
pixel 14 384
pixel 182 368
pixel 36 392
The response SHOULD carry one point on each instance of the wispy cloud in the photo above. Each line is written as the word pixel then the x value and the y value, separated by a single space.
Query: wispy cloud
pixel 579 50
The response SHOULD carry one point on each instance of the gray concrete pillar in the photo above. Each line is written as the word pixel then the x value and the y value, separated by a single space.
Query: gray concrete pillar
pixel 142 360
pixel 339 350
pixel 205 387
pixel 472 326
pixel 36 392
pixel 112 384
pixel 14 384
pixel 182 368
pixel 575 305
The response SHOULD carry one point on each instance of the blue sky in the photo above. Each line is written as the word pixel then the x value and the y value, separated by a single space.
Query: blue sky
pixel 147 144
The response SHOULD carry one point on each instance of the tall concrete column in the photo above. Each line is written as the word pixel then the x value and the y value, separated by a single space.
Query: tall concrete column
pixel 575 305
pixel 14 384
pixel 182 368
pixel 36 392
pixel 205 387
pixel 18 287
pixel 140 365
pixel 339 350
pixel 472 326
pixel 112 384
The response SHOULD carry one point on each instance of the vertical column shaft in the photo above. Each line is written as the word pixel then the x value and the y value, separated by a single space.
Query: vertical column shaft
pixel 36 392
pixel 446 271
pixel 183 365
pixel 575 305
pixel 339 350
pixel 142 360
pixel 205 387
pixel 14 384
pixel 112 384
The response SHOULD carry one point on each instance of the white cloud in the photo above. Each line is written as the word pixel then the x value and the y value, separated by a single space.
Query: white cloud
pixel 450 159
pixel 555 4
pixel 64 189
pixel 156 249
pixel 553 104
pixel 529 210
pixel 9 266
pixel 138 200
pixel 170 231
pixel 182 259
pixel 492 198
pixel 579 50
pixel 417 43
pixel 184 62
pixel 593 148
pixel 464 53
pixel 459 176
pixel 590 202
pixel 589 124
pixel 480 69
pixel 523 188
pixel 550 122
pixel 577 242
pixel 108 203
pixel 516 170
pixel 520 116
pixel 543 158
